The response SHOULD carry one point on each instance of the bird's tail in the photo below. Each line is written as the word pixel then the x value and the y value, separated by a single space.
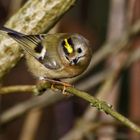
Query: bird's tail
pixel 8 30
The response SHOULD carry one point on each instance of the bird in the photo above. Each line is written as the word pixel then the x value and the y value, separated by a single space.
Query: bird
pixel 54 56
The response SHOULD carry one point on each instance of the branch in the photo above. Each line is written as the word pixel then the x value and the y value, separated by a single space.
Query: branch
pixel 111 80
pixel 99 104
pixel 17 89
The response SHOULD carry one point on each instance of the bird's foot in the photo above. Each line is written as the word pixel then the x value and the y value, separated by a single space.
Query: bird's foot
pixel 57 82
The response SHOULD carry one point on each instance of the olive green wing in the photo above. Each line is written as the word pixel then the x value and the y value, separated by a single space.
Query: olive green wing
pixel 33 45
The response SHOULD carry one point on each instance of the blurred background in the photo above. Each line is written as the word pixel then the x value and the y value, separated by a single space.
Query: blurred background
pixel 72 118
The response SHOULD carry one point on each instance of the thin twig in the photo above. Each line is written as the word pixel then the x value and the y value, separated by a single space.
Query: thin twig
pixel 99 104
pixel 17 89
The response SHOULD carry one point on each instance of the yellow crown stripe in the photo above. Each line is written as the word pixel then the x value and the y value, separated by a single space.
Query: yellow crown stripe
pixel 68 46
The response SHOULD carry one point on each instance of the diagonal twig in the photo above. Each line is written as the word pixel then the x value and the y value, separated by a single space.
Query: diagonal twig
pixel 99 104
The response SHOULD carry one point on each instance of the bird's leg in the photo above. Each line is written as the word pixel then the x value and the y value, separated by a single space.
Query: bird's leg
pixel 56 81
pixel 63 91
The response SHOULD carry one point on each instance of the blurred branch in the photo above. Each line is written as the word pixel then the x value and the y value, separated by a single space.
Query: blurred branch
pixel 93 80
pixel 34 17
pixel 36 102
pixel 18 89
pixel 111 48
pixel 30 126
pixel 99 104
pixel 134 57
pixel 87 128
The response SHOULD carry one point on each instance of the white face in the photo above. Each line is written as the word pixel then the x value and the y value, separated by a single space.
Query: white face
pixel 75 49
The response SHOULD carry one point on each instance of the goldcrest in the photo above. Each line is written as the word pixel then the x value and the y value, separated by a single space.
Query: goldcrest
pixel 54 56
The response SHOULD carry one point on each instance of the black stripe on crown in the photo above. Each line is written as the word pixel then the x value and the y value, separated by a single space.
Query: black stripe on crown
pixel 70 41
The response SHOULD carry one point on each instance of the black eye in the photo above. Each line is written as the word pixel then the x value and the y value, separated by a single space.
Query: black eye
pixel 79 50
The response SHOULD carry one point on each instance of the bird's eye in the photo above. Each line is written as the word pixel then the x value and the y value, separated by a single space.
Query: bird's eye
pixel 79 50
